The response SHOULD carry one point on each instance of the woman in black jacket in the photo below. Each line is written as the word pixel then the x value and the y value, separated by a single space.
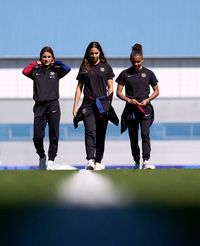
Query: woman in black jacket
pixel 45 74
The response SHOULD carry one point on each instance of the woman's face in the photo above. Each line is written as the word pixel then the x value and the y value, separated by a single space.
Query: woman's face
pixel 136 61
pixel 47 58
pixel 94 54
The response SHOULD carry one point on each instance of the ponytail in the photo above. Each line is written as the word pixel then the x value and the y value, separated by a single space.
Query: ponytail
pixel 137 50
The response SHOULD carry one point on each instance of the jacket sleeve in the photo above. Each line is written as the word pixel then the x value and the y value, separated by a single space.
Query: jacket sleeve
pixel 27 71
pixel 61 68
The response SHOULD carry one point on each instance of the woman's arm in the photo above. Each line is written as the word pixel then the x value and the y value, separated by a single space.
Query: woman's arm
pixel 110 89
pixel 27 71
pixel 152 96
pixel 123 97
pixel 62 68
pixel 78 92
pixel 155 92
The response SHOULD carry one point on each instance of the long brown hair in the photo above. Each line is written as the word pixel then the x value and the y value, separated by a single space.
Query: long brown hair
pixel 46 49
pixel 86 62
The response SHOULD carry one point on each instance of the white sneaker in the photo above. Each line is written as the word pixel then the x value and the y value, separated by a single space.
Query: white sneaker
pixel 50 165
pixel 99 166
pixel 90 165
pixel 146 165
pixel 42 163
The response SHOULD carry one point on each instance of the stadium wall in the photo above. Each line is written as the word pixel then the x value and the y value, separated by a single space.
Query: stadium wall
pixel 178 77
pixel 175 119
pixel 176 109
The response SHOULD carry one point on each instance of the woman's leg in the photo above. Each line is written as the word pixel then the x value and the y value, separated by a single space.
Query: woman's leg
pixel 39 129
pixel 133 127
pixel 90 136
pixel 53 118
pixel 101 127
pixel 145 135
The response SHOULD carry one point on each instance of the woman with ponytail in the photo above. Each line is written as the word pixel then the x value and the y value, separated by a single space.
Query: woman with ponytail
pixel 138 110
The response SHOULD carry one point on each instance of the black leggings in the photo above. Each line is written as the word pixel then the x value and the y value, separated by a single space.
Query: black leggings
pixel 43 114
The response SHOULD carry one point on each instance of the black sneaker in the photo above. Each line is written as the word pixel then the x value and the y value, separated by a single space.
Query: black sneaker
pixel 137 166
pixel 42 163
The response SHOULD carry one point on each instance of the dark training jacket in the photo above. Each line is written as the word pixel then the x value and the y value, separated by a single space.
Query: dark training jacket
pixel 46 81
pixel 132 112
pixel 103 108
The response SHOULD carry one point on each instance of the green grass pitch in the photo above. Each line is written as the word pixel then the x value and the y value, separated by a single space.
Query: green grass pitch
pixel 174 187
pixel 164 209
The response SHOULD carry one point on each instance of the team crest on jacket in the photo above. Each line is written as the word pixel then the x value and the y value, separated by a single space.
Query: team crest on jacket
pixel 143 75
pixel 52 75
pixel 102 69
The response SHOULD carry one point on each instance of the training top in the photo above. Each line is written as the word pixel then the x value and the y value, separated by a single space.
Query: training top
pixel 95 80
pixel 46 81
pixel 137 82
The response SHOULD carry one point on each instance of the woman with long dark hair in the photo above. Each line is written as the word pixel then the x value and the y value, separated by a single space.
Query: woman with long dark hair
pixel 45 74
pixel 138 110
pixel 95 79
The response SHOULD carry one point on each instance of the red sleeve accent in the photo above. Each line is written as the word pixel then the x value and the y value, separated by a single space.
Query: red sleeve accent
pixel 28 69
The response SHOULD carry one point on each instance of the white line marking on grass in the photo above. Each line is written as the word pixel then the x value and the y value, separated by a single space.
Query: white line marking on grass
pixel 63 167
pixel 89 189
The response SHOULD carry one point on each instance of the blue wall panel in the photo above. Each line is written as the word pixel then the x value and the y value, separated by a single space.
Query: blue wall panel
pixel 159 131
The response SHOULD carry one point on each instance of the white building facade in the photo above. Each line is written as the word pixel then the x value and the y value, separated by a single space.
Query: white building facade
pixel 178 77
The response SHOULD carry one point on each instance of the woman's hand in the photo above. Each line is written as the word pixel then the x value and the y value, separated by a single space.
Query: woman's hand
pixel 133 101
pixel 39 63
pixel 74 112
pixel 145 102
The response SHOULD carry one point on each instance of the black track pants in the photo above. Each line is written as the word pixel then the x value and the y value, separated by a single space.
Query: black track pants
pixel 133 129
pixel 48 113
pixel 95 133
